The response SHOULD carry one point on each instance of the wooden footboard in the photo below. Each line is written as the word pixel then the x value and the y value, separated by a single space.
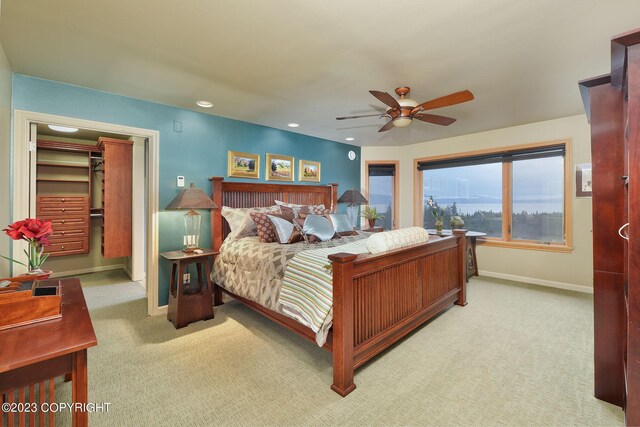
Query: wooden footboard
pixel 378 299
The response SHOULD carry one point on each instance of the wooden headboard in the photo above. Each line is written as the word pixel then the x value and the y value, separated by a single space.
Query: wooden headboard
pixel 253 194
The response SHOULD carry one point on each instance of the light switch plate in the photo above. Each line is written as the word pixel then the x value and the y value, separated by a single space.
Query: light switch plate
pixel 180 181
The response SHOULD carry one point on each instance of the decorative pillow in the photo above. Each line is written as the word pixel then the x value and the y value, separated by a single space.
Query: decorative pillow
pixel 299 224
pixel 308 209
pixel 294 205
pixel 285 231
pixel 342 224
pixel 319 227
pixel 287 213
pixel 240 221
pixel 388 240
pixel 266 230
pixel 305 211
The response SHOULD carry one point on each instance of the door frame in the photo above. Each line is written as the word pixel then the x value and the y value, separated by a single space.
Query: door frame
pixel 22 203
pixel 396 186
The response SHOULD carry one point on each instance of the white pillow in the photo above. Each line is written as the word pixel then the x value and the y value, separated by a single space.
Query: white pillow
pixel 389 240
pixel 240 221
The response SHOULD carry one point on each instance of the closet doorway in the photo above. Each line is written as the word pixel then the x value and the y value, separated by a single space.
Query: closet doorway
pixel 96 184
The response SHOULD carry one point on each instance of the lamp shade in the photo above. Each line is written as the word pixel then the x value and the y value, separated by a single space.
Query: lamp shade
pixel 191 198
pixel 353 197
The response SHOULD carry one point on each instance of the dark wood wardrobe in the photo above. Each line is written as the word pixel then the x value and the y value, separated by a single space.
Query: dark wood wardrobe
pixel 612 103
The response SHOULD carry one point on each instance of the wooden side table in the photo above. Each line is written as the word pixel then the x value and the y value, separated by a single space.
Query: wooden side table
pixel 32 356
pixel 472 261
pixel 189 302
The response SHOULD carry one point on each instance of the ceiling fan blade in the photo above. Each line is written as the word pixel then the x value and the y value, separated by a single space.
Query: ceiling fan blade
pixel 386 98
pixel 435 119
pixel 386 127
pixel 357 117
pixel 445 101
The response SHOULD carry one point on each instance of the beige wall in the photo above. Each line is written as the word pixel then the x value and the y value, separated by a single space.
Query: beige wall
pixel 5 155
pixel 567 270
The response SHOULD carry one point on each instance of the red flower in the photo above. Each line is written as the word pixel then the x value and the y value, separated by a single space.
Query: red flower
pixel 14 230
pixel 30 229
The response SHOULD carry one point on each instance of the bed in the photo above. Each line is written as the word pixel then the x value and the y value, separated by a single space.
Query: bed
pixel 377 299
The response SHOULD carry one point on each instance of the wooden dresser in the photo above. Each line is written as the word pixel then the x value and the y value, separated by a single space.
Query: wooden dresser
pixel 63 188
pixel 612 103
pixel 70 221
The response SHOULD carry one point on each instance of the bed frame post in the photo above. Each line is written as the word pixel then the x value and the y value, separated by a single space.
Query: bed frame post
pixel 462 251
pixel 216 227
pixel 334 197
pixel 343 345
pixel 216 213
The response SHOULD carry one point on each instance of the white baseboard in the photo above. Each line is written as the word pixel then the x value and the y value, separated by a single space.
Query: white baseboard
pixel 533 281
pixel 162 310
pixel 87 270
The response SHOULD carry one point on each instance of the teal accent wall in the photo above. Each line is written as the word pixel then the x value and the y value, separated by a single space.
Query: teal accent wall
pixel 198 152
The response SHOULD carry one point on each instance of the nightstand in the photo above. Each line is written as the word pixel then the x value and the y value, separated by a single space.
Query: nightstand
pixel 374 230
pixel 189 302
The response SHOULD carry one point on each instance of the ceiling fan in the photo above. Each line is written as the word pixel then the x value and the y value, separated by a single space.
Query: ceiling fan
pixel 402 111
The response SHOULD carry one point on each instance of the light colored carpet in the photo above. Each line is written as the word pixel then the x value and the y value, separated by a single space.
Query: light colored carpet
pixel 516 355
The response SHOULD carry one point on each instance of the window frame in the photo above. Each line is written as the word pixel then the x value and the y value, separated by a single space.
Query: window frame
pixel 396 186
pixel 506 240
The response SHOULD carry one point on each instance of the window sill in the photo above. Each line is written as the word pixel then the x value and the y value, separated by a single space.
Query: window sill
pixel 525 245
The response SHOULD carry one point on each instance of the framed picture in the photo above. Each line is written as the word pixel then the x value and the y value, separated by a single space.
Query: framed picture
pixel 583 180
pixel 309 171
pixel 279 168
pixel 243 165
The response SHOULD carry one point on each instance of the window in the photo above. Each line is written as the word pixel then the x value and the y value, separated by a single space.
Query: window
pixel 473 192
pixel 518 196
pixel 381 188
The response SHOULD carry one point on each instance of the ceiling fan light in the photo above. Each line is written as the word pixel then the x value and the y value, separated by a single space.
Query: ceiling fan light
pixel 407 102
pixel 402 122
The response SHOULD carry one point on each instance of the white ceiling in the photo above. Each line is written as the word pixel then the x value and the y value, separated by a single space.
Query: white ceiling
pixel 277 61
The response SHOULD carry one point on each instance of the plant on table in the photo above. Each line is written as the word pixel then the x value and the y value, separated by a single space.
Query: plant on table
pixel 371 215
pixel 437 212
pixel 35 232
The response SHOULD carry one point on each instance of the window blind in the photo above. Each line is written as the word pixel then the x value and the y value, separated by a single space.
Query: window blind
pixel 496 157
pixel 380 169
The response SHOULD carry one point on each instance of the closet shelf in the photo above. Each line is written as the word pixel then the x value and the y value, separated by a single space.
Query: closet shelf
pixel 64 165
pixel 62 180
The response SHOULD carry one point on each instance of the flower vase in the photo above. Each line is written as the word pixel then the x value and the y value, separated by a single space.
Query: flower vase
pixel 439 224
pixel 372 223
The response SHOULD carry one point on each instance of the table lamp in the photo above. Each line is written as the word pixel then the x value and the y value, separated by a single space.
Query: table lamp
pixel 353 198
pixel 191 198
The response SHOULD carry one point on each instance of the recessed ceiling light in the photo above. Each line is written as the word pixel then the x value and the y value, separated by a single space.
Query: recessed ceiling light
pixel 63 128
pixel 349 138
pixel 204 104
pixel 293 125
